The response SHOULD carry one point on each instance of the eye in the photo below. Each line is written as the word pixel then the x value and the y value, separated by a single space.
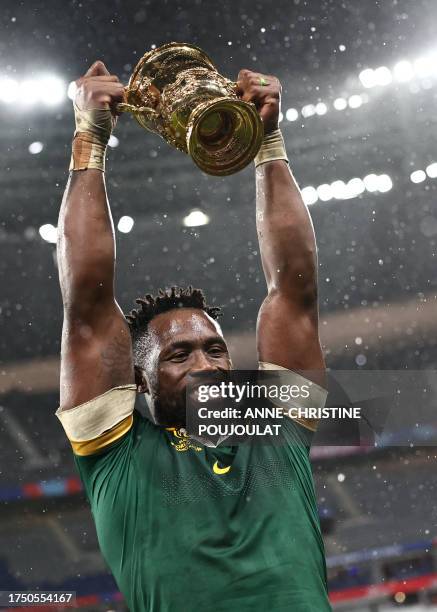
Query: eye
pixel 216 351
pixel 179 357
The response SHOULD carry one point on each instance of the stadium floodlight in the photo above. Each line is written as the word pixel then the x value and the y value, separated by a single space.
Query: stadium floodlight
pixel 354 188
pixel 8 90
pixel 309 195
pixel 418 176
pixel 71 90
pixel 403 71
pixel 340 104
pixel 325 192
pixel 321 108
pixel 292 114
pixel 355 101
pixel 195 219
pixel 367 78
pixel 384 183
pixel 51 90
pixel 431 170
pixel 48 232
pixel 125 224
pixel 29 92
pixel 424 66
pixel 46 89
pixel 383 76
pixel 346 191
pixel 371 182
pixel 35 148
pixel 338 189
pixel 308 110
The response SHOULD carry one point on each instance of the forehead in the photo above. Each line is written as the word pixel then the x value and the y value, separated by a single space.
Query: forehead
pixel 184 324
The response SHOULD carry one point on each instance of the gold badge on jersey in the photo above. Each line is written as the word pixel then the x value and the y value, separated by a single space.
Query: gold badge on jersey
pixel 183 442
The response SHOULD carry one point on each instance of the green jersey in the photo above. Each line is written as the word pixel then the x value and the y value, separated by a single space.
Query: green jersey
pixel 184 526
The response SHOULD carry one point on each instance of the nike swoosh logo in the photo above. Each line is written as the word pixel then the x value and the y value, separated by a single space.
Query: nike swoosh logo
pixel 218 470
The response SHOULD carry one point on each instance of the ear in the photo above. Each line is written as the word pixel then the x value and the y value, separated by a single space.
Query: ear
pixel 140 380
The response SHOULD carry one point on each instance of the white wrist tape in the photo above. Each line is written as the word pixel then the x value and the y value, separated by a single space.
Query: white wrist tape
pixel 272 148
pixel 93 130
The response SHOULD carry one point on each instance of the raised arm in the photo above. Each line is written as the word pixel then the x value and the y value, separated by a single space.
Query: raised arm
pixel 96 352
pixel 287 329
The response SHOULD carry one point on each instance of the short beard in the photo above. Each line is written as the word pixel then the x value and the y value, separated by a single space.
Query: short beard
pixel 169 411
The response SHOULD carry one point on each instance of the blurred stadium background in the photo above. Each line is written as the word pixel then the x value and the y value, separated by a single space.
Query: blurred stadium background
pixel 360 123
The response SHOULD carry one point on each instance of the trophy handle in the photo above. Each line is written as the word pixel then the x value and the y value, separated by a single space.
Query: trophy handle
pixel 124 107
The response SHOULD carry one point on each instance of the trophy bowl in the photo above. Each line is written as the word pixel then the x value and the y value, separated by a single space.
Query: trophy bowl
pixel 176 91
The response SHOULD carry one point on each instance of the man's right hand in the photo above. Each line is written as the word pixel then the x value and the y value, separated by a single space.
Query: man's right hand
pixel 98 89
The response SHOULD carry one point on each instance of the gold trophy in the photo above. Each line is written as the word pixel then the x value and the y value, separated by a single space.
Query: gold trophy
pixel 176 92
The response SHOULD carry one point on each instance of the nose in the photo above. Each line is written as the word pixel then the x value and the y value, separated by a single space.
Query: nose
pixel 202 363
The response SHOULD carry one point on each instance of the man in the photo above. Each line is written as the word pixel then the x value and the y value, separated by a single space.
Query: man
pixel 185 525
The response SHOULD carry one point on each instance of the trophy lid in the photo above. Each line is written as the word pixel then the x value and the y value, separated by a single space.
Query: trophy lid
pixel 160 66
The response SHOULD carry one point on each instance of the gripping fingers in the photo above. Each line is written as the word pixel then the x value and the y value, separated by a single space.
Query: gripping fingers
pixel 94 91
pixel 97 69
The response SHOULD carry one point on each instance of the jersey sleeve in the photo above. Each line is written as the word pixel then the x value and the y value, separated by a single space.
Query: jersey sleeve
pixel 102 433
pixel 316 397
pixel 93 427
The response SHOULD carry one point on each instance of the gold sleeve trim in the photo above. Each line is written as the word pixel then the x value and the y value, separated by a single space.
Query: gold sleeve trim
pixel 89 447
pixel 98 415
pixel 310 424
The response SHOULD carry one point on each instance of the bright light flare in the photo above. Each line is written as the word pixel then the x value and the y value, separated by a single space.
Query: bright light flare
pixel 384 183
pixel 383 76
pixel 35 147
pixel 355 101
pixel 340 104
pixel 403 71
pixel 292 114
pixel 354 188
pixel 47 89
pixel 48 232
pixel 431 170
pixel 371 182
pixel 125 224
pixel 51 90
pixel 418 176
pixel 308 110
pixel 195 219
pixel 325 192
pixel 29 92
pixel 9 90
pixel 321 108
pixel 113 141
pixel 71 90
pixel 367 78
pixel 425 66
pixel 309 195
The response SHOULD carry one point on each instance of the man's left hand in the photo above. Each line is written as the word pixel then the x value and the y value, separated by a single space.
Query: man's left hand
pixel 267 98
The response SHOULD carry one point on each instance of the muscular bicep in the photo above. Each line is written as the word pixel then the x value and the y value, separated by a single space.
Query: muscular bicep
pixel 96 354
pixel 287 336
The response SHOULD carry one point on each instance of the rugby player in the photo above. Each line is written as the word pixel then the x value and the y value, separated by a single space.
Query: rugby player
pixel 183 525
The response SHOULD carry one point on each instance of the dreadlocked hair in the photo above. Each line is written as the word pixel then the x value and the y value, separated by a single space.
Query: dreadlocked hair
pixel 168 299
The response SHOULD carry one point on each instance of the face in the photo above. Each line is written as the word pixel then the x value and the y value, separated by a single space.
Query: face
pixel 182 341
